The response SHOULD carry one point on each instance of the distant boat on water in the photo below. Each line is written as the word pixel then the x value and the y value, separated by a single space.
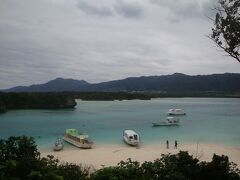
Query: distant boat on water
pixel 170 121
pixel 131 137
pixel 173 112
pixel 58 145
pixel 77 139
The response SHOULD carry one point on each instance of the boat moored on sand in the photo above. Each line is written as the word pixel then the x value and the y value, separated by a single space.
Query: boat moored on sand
pixel 58 145
pixel 77 139
pixel 170 121
pixel 131 137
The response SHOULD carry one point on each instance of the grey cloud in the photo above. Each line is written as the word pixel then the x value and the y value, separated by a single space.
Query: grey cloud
pixel 186 9
pixel 208 7
pixel 91 9
pixel 70 44
pixel 130 10
pixel 118 7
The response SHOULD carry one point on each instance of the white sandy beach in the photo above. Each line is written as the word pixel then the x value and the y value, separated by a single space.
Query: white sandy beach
pixel 110 155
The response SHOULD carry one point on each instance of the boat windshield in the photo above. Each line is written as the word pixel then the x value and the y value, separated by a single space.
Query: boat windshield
pixel 135 137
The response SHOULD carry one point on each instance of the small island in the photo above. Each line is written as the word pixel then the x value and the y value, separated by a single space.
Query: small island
pixel 9 101
pixel 62 100
pixel 59 100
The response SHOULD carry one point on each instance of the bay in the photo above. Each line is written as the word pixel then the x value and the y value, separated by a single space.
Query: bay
pixel 208 120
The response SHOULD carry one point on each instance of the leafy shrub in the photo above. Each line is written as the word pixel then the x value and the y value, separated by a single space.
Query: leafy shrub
pixel 20 160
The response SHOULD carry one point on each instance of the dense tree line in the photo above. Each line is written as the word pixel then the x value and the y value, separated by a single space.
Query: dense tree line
pixel 109 96
pixel 57 100
pixel 20 159
pixel 35 101
pixel 212 94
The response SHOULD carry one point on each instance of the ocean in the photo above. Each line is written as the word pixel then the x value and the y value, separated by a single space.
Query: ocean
pixel 208 120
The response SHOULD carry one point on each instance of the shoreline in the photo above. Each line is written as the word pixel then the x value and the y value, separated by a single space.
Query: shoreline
pixel 111 155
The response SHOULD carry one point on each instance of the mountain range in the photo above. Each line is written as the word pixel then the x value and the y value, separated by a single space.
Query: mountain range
pixel 170 83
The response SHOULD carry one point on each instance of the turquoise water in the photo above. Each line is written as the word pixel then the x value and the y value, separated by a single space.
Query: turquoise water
pixel 208 120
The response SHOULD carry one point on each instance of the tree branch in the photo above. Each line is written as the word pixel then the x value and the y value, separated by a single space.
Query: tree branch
pixel 225 49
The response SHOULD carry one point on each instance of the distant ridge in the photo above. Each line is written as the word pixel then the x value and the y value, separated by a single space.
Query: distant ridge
pixel 170 83
pixel 56 85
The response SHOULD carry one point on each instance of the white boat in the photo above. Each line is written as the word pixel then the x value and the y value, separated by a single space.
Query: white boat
pixel 170 121
pixel 176 112
pixel 131 137
pixel 58 145
pixel 77 139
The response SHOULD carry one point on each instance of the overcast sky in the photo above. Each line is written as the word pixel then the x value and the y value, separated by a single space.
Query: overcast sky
pixel 102 40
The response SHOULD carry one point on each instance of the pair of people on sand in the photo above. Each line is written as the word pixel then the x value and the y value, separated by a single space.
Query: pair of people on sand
pixel 175 144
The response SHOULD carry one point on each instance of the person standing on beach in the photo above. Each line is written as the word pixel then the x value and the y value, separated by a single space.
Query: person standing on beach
pixel 167 143
pixel 175 144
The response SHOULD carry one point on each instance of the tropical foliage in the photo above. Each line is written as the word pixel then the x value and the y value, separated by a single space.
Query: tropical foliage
pixel 57 100
pixel 226 30
pixel 20 160
pixel 35 101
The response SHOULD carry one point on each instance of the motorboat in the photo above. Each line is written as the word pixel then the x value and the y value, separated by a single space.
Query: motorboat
pixel 77 139
pixel 131 137
pixel 176 112
pixel 170 121
pixel 58 145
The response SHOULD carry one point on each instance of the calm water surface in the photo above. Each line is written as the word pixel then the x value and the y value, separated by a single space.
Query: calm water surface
pixel 208 120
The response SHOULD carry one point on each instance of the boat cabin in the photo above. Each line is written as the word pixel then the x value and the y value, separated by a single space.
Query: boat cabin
pixel 131 137
pixel 172 120
pixel 176 112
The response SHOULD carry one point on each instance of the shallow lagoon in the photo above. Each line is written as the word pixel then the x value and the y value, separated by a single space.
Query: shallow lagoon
pixel 208 120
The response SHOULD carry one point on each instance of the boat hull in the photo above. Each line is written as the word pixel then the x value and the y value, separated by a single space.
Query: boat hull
pixel 58 147
pixel 78 144
pixel 164 124
pixel 176 114
pixel 131 143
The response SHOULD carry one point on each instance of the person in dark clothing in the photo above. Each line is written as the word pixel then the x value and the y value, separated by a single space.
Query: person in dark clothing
pixel 175 144
pixel 167 144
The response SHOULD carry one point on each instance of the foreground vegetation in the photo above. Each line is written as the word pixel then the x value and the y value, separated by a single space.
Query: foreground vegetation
pixel 20 159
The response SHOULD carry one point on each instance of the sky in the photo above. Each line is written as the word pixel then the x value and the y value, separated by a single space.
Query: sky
pixel 102 40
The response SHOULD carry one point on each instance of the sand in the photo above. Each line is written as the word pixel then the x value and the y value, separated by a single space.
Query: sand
pixel 110 155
